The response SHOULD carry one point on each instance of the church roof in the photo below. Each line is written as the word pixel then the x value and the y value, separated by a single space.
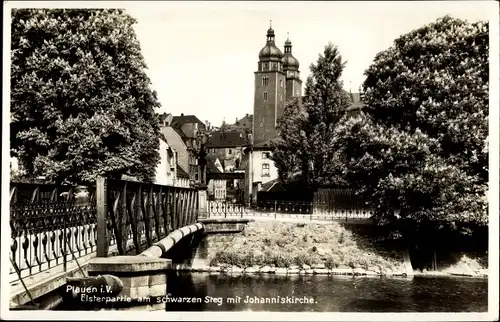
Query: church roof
pixel 270 52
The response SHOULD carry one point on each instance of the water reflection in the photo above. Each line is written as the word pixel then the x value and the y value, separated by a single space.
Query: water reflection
pixel 327 293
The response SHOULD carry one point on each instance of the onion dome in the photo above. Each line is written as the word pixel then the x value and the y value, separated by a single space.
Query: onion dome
pixel 270 51
pixel 289 62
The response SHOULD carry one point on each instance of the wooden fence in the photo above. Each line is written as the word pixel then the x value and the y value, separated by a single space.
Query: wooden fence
pixel 341 203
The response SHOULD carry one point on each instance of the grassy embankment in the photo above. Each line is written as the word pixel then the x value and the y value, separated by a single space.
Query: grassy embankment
pixel 286 244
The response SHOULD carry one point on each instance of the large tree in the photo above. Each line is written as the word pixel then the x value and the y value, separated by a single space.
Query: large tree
pixel 420 153
pixel 81 102
pixel 306 127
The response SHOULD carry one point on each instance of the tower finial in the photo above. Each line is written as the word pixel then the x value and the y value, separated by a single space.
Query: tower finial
pixel 287 35
pixel 270 23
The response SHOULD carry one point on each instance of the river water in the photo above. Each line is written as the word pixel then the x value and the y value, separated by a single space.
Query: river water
pixel 325 293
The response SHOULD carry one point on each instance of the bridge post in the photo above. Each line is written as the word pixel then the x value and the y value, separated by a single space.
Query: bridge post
pixel 202 203
pixel 102 211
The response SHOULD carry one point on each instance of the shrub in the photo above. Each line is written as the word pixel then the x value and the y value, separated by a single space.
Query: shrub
pixel 312 258
pixel 341 238
pixel 282 259
pixel 330 262
pixel 299 260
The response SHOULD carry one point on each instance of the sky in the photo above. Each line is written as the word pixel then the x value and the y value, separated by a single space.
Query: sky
pixel 201 56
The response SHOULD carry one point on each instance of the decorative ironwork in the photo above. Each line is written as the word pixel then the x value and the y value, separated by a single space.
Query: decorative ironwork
pixel 48 223
pixel 286 209
pixel 136 214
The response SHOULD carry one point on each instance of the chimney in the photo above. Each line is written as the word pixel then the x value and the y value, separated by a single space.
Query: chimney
pixel 247 115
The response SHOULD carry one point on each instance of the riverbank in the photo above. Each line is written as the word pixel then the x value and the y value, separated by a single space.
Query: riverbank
pixel 309 248
pixel 302 246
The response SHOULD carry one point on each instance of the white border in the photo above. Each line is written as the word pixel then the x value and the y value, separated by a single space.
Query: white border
pixel 494 195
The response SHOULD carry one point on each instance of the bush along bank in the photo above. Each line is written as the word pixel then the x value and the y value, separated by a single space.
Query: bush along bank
pixel 301 248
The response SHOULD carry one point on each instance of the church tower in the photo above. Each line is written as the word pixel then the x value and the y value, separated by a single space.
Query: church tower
pixel 291 68
pixel 270 91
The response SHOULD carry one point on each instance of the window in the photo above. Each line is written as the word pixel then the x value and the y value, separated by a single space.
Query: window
pixel 274 66
pixel 265 81
pixel 264 95
pixel 266 66
pixel 281 97
pixel 265 170
pixel 229 151
pixel 281 83
pixel 265 155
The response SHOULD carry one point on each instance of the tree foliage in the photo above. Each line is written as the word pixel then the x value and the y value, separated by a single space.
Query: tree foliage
pixel 81 103
pixel 307 125
pixel 420 153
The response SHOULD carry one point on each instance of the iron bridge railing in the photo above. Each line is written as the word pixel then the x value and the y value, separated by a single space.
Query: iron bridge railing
pixel 50 224
pixel 287 209
pixel 138 214
pixel 53 224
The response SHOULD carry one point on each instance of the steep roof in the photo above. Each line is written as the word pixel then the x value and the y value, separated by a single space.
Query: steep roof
pixel 355 101
pixel 220 139
pixel 173 138
pixel 180 132
pixel 272 186
pixel 211 167
pixel 181 173
pixel 245 122
pixel 267 144
pixel 179 121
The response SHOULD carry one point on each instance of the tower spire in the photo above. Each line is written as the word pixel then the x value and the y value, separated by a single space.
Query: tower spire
pixel 270 23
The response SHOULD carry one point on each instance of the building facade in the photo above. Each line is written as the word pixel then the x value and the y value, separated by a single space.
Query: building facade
pixel 166 170
pixel 228 148
pixel 191 130
pixel 216 188
pixel 259 169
